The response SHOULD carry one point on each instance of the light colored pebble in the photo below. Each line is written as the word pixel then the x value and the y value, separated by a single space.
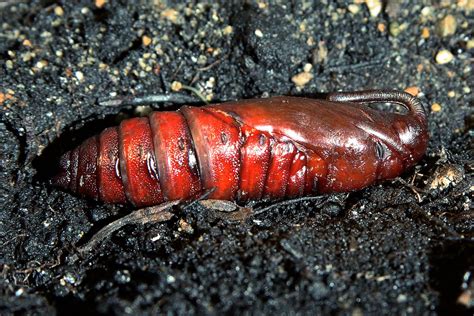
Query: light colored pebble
pixel 413 90
pixel 436 107
pixel 58 11
pixel 425 33
pixel 79 75
pixel 146 40
pixel 27 43
pixel 446 26
pixel 302 27
pixel 302 78
pixel 466 298
pixel 41 64
pixel 228 30
pixel 258 33
pixel 176 86
pixel 185 227
pixel 470 44
pixel 395 28
pixel 375 7
pixel 444 56
pixel 171 15
pixel 320 54
pixel 466 4
pixel 446 175
pixel 381 27
pixel 142 63
pixel 427 11
pixel 353 8
pixel 100 3
pixel 402 298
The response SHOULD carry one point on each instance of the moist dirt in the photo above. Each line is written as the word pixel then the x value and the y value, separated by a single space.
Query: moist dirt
pixel 400 247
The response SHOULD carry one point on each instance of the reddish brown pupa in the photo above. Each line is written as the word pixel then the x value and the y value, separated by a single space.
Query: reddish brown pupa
pixel 274 148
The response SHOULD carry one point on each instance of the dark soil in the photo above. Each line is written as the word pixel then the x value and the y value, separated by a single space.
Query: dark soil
pixel 401 247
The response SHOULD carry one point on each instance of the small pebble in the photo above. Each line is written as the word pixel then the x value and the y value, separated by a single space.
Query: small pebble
pixel 142 63
pixel 414 90
pixel 302 78
pixel 395 28
pixel 447 26
pixel 27 43
pixel 381 27
pixel 176 86
pixel 302 27
pixel 375 7
pixel 307 67
pixel 19 292
pixel 470 44
pixel 59 11
pixel 79 75
pixel 146 40
pixel 185 226
pixel 435 107
pixel 320 54
pixel 466 4
pixel 444 56
pixel 451 94
pixel 228 30
pixel 258 33
pixel 41 64
pixel 9 64
pixel 170 279
pixel 100 3
pixel 427 11
pixel 353 8
pixel 445 176
pixel 425 33
pixel 171 15
pixel 466 298
pixel 402 298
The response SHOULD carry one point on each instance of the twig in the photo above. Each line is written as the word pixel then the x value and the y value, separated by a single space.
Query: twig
pixel 217 62
pixel 288 202
pixel 176 98
pixel 196 92
pixel 413 188
pixel 203 196
pixel 152 214
pixel 367 64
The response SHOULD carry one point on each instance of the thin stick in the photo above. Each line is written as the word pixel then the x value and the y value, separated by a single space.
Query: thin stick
pixel 288 202
pixel 176 98
pixel 202 197
pixel 196 92
pixel 152 214
pixel 367 64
